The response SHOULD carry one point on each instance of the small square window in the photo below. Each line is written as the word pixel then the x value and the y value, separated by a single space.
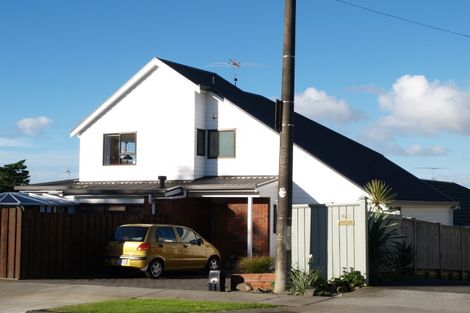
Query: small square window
pixel 221 144
pixel 119 149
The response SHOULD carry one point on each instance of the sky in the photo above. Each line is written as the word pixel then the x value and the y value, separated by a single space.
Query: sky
pixel 393 84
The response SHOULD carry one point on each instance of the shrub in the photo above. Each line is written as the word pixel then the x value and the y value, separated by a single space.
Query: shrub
pixel 300 281
pixel 255 264
pixel 348 281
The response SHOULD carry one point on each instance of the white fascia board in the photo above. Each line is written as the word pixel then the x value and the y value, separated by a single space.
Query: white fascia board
pixel 125 89
pixel 428 204
pixel 135 80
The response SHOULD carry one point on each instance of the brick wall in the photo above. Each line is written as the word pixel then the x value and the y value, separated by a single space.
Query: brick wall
pixel 221 221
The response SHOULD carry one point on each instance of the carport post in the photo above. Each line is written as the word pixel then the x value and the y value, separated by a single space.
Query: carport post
pixel 249 225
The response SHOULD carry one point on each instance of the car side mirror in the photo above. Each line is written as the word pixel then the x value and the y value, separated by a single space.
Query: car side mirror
pixel 200 241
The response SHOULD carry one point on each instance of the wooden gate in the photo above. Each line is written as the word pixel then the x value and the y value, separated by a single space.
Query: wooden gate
pixel 331 237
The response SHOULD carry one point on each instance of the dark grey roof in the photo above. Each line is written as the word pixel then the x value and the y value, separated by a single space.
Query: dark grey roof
pixel 219 183
pixel 229 182
pixel 458 193
pixel 354 161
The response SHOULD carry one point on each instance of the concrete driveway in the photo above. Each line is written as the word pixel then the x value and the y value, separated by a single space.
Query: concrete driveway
pixel 21 296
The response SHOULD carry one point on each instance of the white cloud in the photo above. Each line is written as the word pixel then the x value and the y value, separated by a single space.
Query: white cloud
pixel 419 150
pixel 33 126
pixel 317 104
pixel 391 147
pixel 419 106
pixel 10 143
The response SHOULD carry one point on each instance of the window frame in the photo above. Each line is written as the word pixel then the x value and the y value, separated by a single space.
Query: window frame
pixel 119 135
pixel 218 131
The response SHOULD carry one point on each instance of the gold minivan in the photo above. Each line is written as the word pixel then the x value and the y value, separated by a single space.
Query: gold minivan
pixel 155 248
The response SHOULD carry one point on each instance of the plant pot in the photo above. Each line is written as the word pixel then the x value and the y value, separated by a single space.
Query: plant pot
pixel 263 281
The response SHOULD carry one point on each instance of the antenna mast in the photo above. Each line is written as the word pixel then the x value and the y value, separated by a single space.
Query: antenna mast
pixel 235 65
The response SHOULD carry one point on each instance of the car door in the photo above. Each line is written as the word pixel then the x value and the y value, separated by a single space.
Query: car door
pixel 196 251
pixel 169 248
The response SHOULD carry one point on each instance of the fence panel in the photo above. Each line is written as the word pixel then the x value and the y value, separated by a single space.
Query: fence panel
pixel 465 249
pixel 451 252
pixel 427 245
pixel 49 245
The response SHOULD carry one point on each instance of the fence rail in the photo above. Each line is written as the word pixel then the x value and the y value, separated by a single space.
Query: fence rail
pixel 49 245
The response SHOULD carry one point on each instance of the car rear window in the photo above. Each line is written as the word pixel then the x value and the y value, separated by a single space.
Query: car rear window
pixel 130 233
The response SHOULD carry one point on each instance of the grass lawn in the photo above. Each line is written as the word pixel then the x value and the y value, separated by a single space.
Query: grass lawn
pixel 158 306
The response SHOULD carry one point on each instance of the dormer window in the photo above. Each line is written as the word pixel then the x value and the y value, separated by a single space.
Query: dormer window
pixel 119 149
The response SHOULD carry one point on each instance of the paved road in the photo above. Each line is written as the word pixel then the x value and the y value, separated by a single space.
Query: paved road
pixel 20 296
pixel 194 280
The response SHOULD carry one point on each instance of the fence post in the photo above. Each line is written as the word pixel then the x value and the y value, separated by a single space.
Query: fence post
pixel 19 245
pixel 461 253
pixel 415 244
pixel 440 253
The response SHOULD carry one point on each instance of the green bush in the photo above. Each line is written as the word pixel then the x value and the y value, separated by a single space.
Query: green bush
pixel 300 281
pixel 389 256
pixel 347 282
pixel 255 264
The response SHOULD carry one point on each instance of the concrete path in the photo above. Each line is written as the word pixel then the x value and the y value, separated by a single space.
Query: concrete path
pixel 21 296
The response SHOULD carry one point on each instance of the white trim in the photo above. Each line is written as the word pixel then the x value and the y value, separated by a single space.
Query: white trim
pixel 125 89
pixel 230 196
pixel 110 200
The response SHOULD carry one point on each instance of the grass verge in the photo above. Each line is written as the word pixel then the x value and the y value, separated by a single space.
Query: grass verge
pixel 158 306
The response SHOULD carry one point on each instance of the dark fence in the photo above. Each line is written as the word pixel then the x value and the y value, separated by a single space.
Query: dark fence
pixel 439 248
pixel 57 245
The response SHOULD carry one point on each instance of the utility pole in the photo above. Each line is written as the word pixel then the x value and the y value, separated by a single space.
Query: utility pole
pixel 286 147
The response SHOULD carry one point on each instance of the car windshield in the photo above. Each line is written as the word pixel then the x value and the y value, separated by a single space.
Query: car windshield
pixel 130 233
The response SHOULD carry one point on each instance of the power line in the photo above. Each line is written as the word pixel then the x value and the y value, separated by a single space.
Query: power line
pixel 404 19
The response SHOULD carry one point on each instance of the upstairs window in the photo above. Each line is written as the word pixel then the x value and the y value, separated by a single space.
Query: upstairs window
pixel 119 149
pixel 201 142
pixel 221 144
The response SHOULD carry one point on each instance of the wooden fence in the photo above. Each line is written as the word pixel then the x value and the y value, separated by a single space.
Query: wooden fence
pixel 439 248
pixel 56 245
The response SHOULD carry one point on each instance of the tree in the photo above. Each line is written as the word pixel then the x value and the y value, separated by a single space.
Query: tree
pixel 381 195
pixel 12 175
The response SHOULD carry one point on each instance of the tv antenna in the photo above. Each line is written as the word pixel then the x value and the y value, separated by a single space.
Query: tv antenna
pixel 235 65
pixel 433 169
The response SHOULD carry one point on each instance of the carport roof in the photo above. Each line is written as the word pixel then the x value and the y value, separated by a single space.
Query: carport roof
pixel 210 183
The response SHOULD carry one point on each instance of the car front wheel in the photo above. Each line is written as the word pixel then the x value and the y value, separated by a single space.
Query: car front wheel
pixel 155 269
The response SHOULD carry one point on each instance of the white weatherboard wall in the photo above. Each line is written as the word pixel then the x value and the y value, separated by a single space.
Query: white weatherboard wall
pixel 314 182
pixel 257 146
pixel 330 237
pixel 161 111
pixel 431 214
pixel 257 153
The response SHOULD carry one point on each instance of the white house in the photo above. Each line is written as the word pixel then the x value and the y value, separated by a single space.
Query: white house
pixel 174 132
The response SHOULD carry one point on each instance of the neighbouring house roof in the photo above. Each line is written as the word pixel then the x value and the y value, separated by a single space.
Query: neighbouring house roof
pixel 354 161
pixel 458 193
pixel 15 199
pixel 221 184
